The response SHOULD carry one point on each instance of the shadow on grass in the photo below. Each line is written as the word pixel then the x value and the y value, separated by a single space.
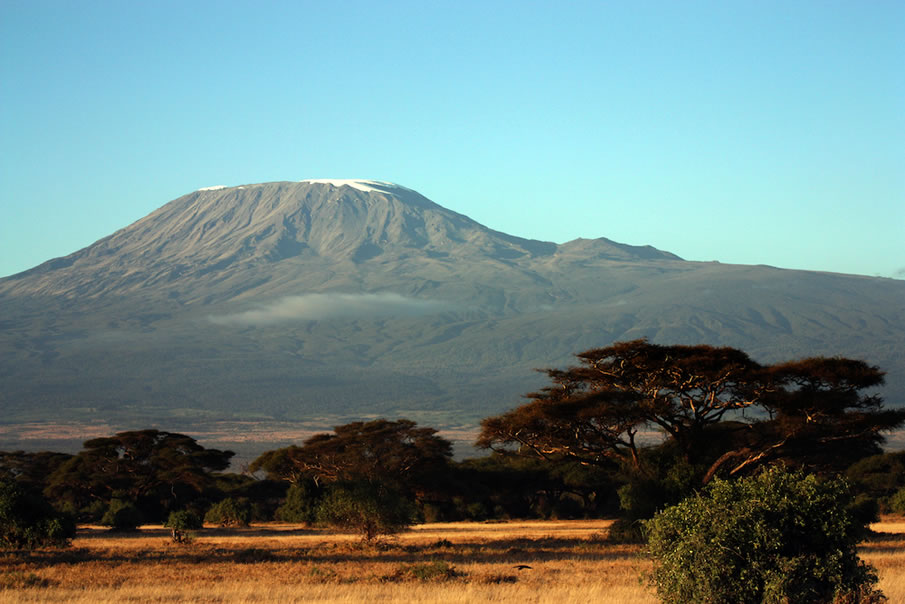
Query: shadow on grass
pixel 501 551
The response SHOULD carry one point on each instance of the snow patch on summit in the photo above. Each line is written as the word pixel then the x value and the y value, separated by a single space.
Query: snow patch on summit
pixel 214 188
pixel 361 185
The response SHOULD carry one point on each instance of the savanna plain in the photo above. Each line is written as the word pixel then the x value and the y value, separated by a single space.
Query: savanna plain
pixel 525 561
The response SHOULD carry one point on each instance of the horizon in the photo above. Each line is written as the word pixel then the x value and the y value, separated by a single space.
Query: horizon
pixel 768 134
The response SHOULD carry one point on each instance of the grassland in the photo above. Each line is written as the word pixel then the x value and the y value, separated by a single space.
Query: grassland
pixel 458 562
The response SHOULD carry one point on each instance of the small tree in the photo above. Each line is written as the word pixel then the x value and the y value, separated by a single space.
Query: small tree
pixel 300 504
pixel 181 522
pixel 122 515
pixel 229 512
pixel 772 538
pixel 28 521
pixel 366 508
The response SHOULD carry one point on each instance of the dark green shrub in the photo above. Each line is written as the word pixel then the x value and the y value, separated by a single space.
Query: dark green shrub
pixel 181 522
pixel 369 509
pixel 300 504
pixel 772 538
pixel 122 516
pixel 896 502
pixel 229 512
pixel 624 530
pixel 28 521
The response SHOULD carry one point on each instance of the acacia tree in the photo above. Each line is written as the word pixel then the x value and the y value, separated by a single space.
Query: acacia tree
pixel 716 407
pixel 397 453
pixel 365 474
pixel 158 471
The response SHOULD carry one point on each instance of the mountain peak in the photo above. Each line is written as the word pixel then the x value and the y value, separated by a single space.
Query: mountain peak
pixel 362 185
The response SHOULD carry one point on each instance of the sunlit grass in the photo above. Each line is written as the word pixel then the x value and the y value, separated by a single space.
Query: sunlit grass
pixel 568 560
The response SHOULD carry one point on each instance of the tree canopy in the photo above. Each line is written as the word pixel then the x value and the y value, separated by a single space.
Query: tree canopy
pixel 720 409
pixel 395 452
pixel 159 471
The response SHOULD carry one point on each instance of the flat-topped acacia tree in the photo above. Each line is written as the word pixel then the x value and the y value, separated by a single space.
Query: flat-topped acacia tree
pixel 721 411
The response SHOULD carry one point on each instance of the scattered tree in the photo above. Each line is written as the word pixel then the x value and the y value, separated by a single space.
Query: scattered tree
pixel 181 522
pixel 367 508
pixel 155 471
pixel 122 515
pixel 776 537
pixel 229 512
pixel 398 452
pixel 722 413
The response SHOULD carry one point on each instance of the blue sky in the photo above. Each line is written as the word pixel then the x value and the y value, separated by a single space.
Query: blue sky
pixel 745 132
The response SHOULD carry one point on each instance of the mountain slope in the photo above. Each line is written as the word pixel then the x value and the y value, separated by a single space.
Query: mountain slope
pixel 326 299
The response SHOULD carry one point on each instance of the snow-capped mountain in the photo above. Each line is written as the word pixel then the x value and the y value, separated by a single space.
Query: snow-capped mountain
pixel 325 298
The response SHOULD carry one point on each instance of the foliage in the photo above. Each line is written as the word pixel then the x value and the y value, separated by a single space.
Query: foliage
pixel 181 522
pixel 369 509
pixel 897 502
pixel 122 515
pixel 30 469
pixel 301 503
pixel 503 484
pixel 879 477
pixel 27 520
pixel 721 413
pixel 229 512
pixel 156 471
pixel 397 452
pixel 776 537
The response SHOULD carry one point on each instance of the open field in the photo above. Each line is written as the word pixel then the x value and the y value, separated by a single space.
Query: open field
pixel 453 562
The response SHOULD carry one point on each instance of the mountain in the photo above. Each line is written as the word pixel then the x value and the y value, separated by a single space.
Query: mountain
pixel 319 300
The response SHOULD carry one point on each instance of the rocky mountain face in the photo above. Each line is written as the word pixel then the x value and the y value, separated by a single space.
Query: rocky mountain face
pixel 319 300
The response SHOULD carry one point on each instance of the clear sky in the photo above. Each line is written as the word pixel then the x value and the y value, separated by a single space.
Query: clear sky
pixel 752 132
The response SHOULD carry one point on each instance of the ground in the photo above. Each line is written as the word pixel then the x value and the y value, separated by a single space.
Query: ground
pixel 568 561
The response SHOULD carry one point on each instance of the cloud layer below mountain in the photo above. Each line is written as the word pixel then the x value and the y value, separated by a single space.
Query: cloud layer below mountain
pixel 317 307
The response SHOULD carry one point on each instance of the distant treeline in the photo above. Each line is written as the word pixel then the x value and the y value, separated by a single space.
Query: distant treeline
pixel 572 451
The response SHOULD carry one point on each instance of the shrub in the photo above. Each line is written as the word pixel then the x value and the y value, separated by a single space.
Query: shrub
pixel 229 512
pixel 773 538
pixel 369 509
pixel 28 521
pixel 300 504
pixel 181 522
pixel 433 571
pixel 624 530
pixel 897 502
pixel 122 516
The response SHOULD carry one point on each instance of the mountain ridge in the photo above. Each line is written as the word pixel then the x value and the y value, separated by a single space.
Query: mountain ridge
pixel 297 300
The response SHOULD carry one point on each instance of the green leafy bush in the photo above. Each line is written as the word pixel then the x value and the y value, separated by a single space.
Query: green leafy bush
pixel 300 504
pixel 181 522
pixel 772 538
pixel 229 512
pixel 897 502
pixel 28 521
pixel 122 516
pixel 369 509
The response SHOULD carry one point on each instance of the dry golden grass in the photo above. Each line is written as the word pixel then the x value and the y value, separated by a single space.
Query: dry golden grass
pixel 289 563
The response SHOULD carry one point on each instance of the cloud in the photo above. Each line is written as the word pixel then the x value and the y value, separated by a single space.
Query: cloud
pixel 315 307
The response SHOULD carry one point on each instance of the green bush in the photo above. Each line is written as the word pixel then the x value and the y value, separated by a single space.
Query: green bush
pixel 896 502
pixel 181 522
pixel 369 509
pixel 229 512
pixel 28 521
pixel 773 538
pixel 300 504
pixel 122 516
